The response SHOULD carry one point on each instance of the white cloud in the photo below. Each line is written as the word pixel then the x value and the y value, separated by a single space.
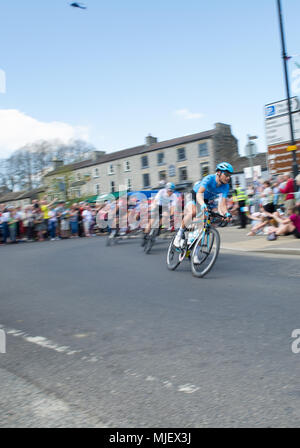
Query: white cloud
pixel 18 129
pixel 187 115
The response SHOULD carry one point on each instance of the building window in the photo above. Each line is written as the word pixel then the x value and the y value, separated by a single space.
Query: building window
pixel 160 158
pixel 112 186
pixel 162 175
pixel 144 161
pixel 172 171
pixel 203 149
pixel 96 172
pixel 97 189
pixel 146 180
pixel 204 169
pixel 127 165
pixel 78 176
pixel 111 169
pixel 129 185
pixel 180 154
pixel 183 174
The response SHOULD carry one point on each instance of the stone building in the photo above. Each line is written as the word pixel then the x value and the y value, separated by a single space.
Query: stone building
pixel 182 160
pixel 21 198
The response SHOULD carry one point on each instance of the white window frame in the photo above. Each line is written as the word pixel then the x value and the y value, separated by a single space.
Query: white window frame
pixel 206 154
pixel 144 166
pixel 183 149
pixel 180 169
pixel 127 166
pixel 163 161
pixel 129 184
pixel 149 184
pixel 110 169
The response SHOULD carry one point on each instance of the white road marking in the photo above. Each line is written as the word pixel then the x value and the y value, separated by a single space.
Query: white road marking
pixel 188 388
pixel 185 388
pixel 47 343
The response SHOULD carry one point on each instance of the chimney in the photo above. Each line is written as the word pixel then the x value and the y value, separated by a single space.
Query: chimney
pixel 57 164
pixel 95 155
pixel 150 140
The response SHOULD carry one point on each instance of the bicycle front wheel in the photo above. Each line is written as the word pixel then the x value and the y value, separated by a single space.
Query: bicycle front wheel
pixel 205 252
pixel 173 256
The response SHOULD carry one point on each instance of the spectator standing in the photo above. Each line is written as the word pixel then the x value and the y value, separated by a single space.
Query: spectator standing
pixel 240 198
pixel 297 193
pixel 12 224
pixel 267 197
pixel 52 223
pixel 289 191
pixel 65 223
pixel 39 225
pixel 80 219
pixel 28 223
pixel 74 221
pixel 59 211
pixel 278 196
pixel 45 207
pixel 87 220
pixel 5 229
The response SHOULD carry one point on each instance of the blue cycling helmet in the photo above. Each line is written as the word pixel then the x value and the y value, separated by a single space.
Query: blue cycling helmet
pixel 170 186
pixel 225 166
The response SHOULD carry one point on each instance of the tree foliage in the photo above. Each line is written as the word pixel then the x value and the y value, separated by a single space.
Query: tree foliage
pixel 24 169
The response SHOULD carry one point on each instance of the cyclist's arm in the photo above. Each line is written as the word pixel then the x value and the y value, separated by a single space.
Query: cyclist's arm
pixel 223 206
pixel 200 196
pixel 223 210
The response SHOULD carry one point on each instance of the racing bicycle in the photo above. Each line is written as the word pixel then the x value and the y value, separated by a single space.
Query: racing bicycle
pixel 154 233
pixel 201 244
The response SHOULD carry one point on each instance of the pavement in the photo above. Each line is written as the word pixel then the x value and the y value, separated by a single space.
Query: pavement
pixel 236 239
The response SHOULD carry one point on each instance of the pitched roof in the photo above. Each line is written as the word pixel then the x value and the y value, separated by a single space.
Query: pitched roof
pixel 135 151
pixel 18 195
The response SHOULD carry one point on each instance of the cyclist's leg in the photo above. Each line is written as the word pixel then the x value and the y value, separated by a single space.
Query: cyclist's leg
pixel 189 213
pixel 149 226
pixel 160 219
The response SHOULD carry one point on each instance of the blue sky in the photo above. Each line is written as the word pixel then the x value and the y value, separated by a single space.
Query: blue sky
pixel 120 70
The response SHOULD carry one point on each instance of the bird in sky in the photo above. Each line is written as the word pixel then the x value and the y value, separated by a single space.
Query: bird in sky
pixel 78 5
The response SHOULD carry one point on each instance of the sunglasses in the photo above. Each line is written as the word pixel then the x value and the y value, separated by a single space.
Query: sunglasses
pixel 226 173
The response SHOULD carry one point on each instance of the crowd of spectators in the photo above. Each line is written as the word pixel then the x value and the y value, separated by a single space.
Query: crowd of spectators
pixel 271 207
pixel 42 221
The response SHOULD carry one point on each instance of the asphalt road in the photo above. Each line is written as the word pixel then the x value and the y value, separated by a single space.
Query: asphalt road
pixel 108 337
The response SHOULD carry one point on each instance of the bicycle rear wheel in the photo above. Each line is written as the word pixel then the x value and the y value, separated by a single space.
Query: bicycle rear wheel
pixel 150 241
pixel 173 256
pixel 205 252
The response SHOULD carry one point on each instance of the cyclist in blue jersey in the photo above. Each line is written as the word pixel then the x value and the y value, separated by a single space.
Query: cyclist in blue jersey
pixel 204 193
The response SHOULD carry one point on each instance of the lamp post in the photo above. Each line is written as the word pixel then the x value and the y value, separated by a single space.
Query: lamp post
pixel 251 151
pixel 285 58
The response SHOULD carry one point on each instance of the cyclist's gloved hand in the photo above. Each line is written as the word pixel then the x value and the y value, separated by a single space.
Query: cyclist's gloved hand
pixel 204 209
pixel 228 217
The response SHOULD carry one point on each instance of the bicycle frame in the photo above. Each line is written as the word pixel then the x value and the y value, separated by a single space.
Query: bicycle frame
pixel 207 222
